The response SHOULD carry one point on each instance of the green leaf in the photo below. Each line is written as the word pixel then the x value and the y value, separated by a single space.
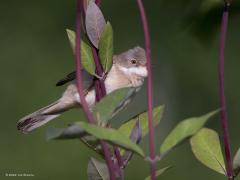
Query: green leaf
pixel 236 162
pixel 135 137
pixel 207 149
pixel 183 130
pixel 95 23
pixel 159 172
pixel 97 170
pixel 74 132
pixel 70 132
pixel 112 136
pixel 106 47
pixel 72 39
pixel 127 127
pixel 86 53
pixel 109 105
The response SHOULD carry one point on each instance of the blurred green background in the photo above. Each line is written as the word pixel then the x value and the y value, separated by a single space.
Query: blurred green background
pixel 35 53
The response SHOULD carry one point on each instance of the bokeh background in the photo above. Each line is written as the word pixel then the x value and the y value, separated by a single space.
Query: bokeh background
pixel 35 53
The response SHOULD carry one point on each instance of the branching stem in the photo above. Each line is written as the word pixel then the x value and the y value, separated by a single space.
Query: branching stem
pixel 81 89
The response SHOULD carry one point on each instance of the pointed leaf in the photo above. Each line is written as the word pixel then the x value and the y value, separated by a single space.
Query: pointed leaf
pixel 127 127
pixel 106 47
pixel 236 162
pixel 136 133
pixel 72 39
pixel 95 23
pixel 97 170
pixel 112 136
pixel 86 53
pixel 159 172
pixel 65 133
pixel 74 132
pixel 183 130
pixel 135 137
pixel 207 149
pixel 111 104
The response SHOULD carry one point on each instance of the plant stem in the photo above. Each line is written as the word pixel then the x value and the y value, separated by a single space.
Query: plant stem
pixel 80 87
pixel 149 89
pixel 98 2
pixel 118 156
pixel 78 64
pixel 101 92
pixel 223 113
pixel 99 84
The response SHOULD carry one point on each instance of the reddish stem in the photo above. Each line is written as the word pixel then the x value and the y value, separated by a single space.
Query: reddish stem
pixel 78 64
pixel 81 89
pixel 101 91
pixel 98 2
pixel 99 84
pixel 223 113
pixel 118 156
pixel 149 89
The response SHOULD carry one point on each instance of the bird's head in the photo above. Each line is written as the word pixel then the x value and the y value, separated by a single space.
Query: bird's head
pixel 132 62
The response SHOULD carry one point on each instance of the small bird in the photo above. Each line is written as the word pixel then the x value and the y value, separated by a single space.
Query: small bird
pixel 128 70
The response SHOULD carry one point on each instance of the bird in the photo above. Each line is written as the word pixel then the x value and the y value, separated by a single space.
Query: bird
pixel 128 71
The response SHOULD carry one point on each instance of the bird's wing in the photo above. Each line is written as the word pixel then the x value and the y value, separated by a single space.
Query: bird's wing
pixel 70 77
pixel 87 79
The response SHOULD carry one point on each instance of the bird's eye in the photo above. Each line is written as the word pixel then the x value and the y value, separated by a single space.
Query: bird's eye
pixel 133 61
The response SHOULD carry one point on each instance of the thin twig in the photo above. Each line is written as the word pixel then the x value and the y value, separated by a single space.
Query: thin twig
pixel 149 88
pixel 80 87
pixel 223 113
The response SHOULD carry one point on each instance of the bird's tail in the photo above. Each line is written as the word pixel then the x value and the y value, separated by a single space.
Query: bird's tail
pixel 40 117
